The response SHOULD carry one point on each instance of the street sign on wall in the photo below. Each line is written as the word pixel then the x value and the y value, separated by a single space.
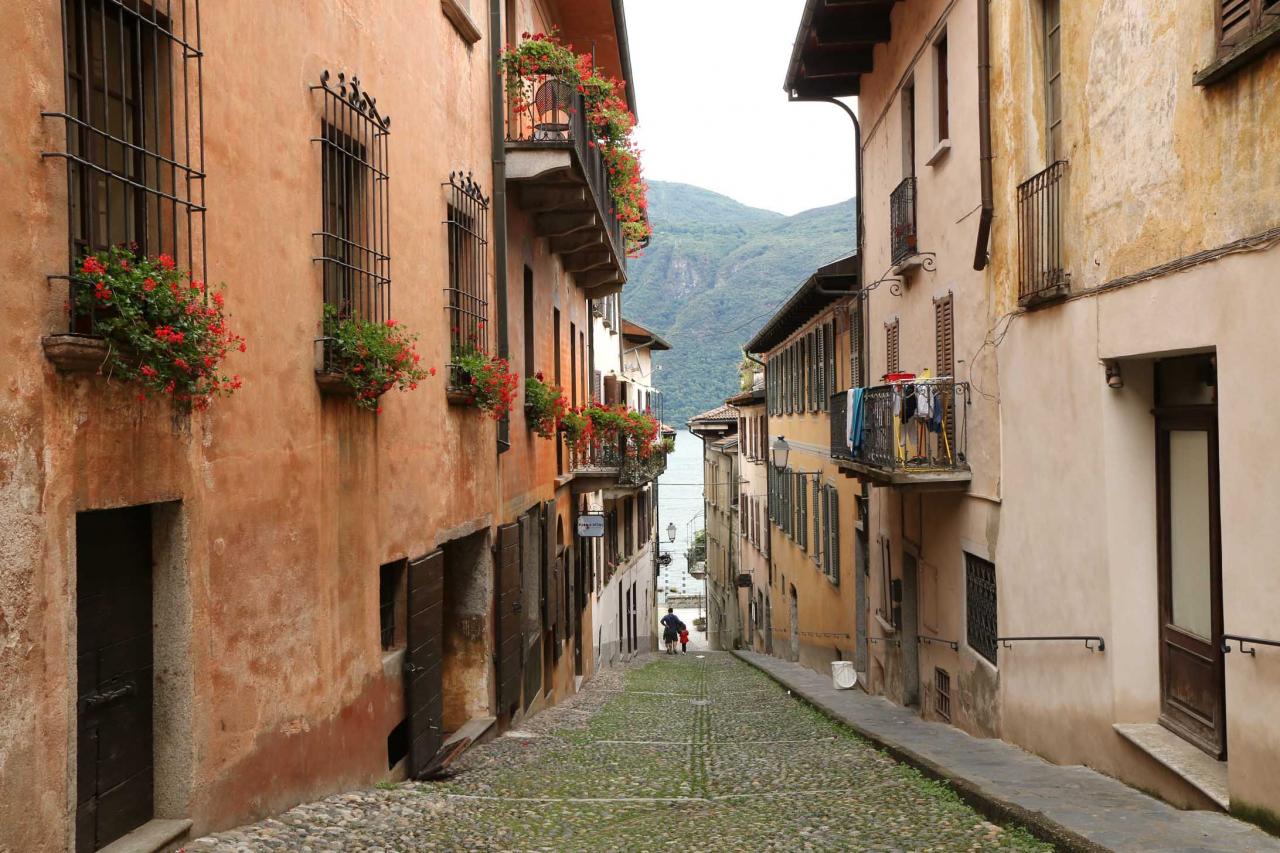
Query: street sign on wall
pixel 591 526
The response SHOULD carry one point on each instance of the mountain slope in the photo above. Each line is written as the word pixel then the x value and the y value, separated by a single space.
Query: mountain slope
pixel 715 273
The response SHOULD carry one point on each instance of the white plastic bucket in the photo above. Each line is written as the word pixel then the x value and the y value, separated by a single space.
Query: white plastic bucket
pixel 843 675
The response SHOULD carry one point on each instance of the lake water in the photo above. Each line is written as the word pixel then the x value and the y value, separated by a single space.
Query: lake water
pixel 680 503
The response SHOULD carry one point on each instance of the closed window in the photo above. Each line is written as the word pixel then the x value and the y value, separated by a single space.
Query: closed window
pixel 980 606
pixel 1053 79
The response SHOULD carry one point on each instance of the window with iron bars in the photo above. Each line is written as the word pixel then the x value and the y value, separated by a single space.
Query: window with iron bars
pixel 468 290
pixel 942 693
pixel 355 239
pixel 134 118
pixel 980 606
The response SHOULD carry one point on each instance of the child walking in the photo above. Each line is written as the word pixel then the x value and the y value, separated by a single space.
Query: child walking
pixel 684 639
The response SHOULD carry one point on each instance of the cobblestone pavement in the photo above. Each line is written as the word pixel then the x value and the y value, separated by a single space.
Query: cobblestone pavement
pixel 689 753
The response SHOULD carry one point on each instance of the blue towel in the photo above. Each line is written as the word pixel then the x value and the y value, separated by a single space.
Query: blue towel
pixel 855 419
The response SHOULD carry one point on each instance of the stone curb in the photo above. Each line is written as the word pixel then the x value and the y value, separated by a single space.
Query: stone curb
pixel 989 804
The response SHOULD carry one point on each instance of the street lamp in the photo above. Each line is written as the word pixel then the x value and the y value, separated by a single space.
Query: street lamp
pixel 781 452
pixel 671 532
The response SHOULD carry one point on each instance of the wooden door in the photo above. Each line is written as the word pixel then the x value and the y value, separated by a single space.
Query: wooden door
pixel 1190 558
pixel 510 637
pixel 424 677
pixel 795 626
pixel 114 675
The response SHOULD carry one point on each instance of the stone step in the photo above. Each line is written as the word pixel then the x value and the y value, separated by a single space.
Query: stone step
pixel 154 836
pixel 1204 773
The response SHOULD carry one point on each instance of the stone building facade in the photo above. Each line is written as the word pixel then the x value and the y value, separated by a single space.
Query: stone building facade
pixel 207 618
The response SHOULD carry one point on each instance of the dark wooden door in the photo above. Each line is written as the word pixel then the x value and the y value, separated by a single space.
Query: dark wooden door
pixel 910 629
pixel 423 675
pixel 1193 700
pixel 510 613
pixel 113 671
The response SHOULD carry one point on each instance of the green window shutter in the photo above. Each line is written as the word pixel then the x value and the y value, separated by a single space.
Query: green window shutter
pixel 821 402
pixel 833 534
pixel 821 526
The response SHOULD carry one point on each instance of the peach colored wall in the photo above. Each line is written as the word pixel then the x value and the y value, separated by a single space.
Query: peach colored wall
pixel 1158 169
pixel 289 501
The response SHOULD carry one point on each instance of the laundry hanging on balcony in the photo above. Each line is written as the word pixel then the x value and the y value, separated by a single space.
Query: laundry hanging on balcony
pixel 853 419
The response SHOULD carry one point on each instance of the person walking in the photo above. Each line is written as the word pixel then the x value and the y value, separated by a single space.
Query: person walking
pixel 670 630
pixel 684 639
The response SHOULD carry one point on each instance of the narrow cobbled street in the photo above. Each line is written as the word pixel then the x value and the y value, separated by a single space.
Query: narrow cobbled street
pixel 693 753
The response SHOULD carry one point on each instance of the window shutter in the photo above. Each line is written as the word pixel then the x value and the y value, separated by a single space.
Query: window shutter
pixel 802 501
pixel 833 534
pixel 1237 19
pixel 821 364
pixel 819 519
pixel 597 386
pixel 944 341
pixel 855 346
pixel 891 346
pixel 831 387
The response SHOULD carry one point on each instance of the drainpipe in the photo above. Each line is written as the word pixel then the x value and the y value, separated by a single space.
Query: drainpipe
pixel 980 253
pixel 499 145
pixel 863 320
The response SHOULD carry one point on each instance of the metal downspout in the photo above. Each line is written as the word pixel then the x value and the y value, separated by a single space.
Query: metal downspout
pixel 980 254
pixel 499 145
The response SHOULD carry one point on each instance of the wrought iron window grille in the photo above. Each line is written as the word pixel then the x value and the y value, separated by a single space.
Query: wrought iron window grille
pixel 902 220
pixel 980 606
pixel 1041 270
pixel 942 693
pixel 467 295
pixel 134 118
pixel 355 239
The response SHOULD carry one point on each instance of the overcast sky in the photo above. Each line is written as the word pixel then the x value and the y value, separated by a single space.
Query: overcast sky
pixel 708 78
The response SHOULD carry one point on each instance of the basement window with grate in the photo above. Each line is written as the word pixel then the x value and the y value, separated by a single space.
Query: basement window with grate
pixel 355 240
pixel 134 146
pixel 942 693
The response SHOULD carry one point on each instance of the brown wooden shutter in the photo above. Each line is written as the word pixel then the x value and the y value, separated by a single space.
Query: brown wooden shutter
pixel 1236 19
pixel 819 517
pixel 424 693
pixel 891 346
pixel 820 365
pixel 597 386
pixel 833 533
pixel 944 335
pixel 551 594
pixel 508 617
pixel 829 366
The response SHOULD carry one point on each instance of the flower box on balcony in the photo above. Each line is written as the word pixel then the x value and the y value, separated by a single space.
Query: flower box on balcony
pixel 334 384
pixel 75 353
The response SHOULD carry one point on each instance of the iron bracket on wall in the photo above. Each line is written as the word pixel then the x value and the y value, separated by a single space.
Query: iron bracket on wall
pixel 955 646
pixel 894 640
pixel 1227 638
pixel 1088 641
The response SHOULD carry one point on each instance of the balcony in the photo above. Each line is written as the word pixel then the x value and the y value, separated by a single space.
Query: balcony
pixel 902 222
pixel 1041 275
pixel 895 444
pixel 606 464
pixel 561 179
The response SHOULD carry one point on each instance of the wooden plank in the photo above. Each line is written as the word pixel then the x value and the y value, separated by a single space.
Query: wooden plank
pixel 424 694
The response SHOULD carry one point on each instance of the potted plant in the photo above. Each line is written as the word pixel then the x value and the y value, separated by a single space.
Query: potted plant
pixel 483 381
pixel 367 358
pixel 544 405
pixel 159 328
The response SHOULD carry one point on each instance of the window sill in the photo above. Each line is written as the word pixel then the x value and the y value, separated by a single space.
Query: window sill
pixel 74 353
pixel 939 153
pixel 1248 51
pixel 461 20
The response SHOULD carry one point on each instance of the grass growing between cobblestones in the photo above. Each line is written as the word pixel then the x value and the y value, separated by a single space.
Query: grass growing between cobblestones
pixel 686 753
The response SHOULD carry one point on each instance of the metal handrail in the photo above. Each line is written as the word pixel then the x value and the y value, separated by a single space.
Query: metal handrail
pixel 894 640
pixel 955 646
pixel 1241 640
pixel 1088 638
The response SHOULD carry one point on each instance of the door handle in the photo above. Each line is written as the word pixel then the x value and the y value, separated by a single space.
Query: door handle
pixel 106 697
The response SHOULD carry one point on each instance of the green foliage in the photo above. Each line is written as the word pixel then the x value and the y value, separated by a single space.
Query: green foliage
pixel 697 552
pixel 166 334
pixel 545 405
pixel 373 357
pixel 714 274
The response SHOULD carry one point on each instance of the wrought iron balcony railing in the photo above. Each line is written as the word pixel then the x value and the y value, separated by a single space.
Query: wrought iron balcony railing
pixel 1041 273
pixel 550 112
pixel 902 221
pixel 916 429
pixel 617 460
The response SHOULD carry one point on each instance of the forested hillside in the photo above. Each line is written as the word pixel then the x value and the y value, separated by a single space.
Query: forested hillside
pixel 715 272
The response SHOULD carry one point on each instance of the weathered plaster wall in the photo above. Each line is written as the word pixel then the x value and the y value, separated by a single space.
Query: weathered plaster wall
pixel 1158 170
